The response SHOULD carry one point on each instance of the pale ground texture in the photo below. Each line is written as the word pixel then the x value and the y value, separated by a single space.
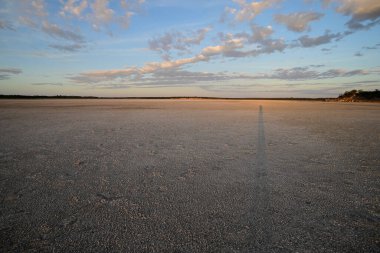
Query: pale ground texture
pixel 189 176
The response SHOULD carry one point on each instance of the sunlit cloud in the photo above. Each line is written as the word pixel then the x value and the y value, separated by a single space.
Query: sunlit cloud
pixel 74 7
pixel 247 11
pixel 364 13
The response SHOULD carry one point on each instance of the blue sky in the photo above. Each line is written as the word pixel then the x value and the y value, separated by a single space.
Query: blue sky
pixel 224 48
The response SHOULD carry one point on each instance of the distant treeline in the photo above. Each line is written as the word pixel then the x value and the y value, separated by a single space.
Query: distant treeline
pixel 360 95
pixel 348 96
pixel 44 97
pixel 92 97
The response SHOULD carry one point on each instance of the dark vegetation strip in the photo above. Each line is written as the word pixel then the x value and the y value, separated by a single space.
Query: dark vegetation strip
pixel 92 97
pixel 348 96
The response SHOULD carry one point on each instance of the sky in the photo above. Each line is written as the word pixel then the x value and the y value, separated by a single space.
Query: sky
pixel 218 48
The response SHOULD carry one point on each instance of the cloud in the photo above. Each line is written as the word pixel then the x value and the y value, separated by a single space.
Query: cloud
pixel 316 65
pixel 27 12
pixel 97 13
pixel 228 46
pixel 5 25
pixel 175 77
pixel 38 7
pixel 177 41
pixel 7 73
pixel 74 7
pixel 260 33
pixel 4 77
pixel 67 48
pixel 247 11
pixel 231 45
pixel 240 45
pixel 102 14
pixel 11 71
pixel 309 73
pixel 27 21
pixel 134 72
pixel 374 47
pixel 130 8
pixel 298 22
pixel 307 41
pixel 358 72
pixel 171 78
pixel 57 32
pixel 364 13
pixel 34 14
pixel 370 48
pixel 172 75
pixel 360 10
pixel 43 84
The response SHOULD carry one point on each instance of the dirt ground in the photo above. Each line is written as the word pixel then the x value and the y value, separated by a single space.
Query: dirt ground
pixel 189 176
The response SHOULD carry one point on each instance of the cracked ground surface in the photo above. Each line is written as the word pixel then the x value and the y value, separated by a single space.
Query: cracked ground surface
pixel 189 176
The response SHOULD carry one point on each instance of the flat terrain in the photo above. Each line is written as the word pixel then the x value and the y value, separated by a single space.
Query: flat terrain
pixel 189 176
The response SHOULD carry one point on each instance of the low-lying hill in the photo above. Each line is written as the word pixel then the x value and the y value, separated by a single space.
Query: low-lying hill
pixel 360 96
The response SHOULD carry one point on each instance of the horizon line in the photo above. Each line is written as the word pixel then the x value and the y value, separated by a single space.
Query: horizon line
pixel 2 96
